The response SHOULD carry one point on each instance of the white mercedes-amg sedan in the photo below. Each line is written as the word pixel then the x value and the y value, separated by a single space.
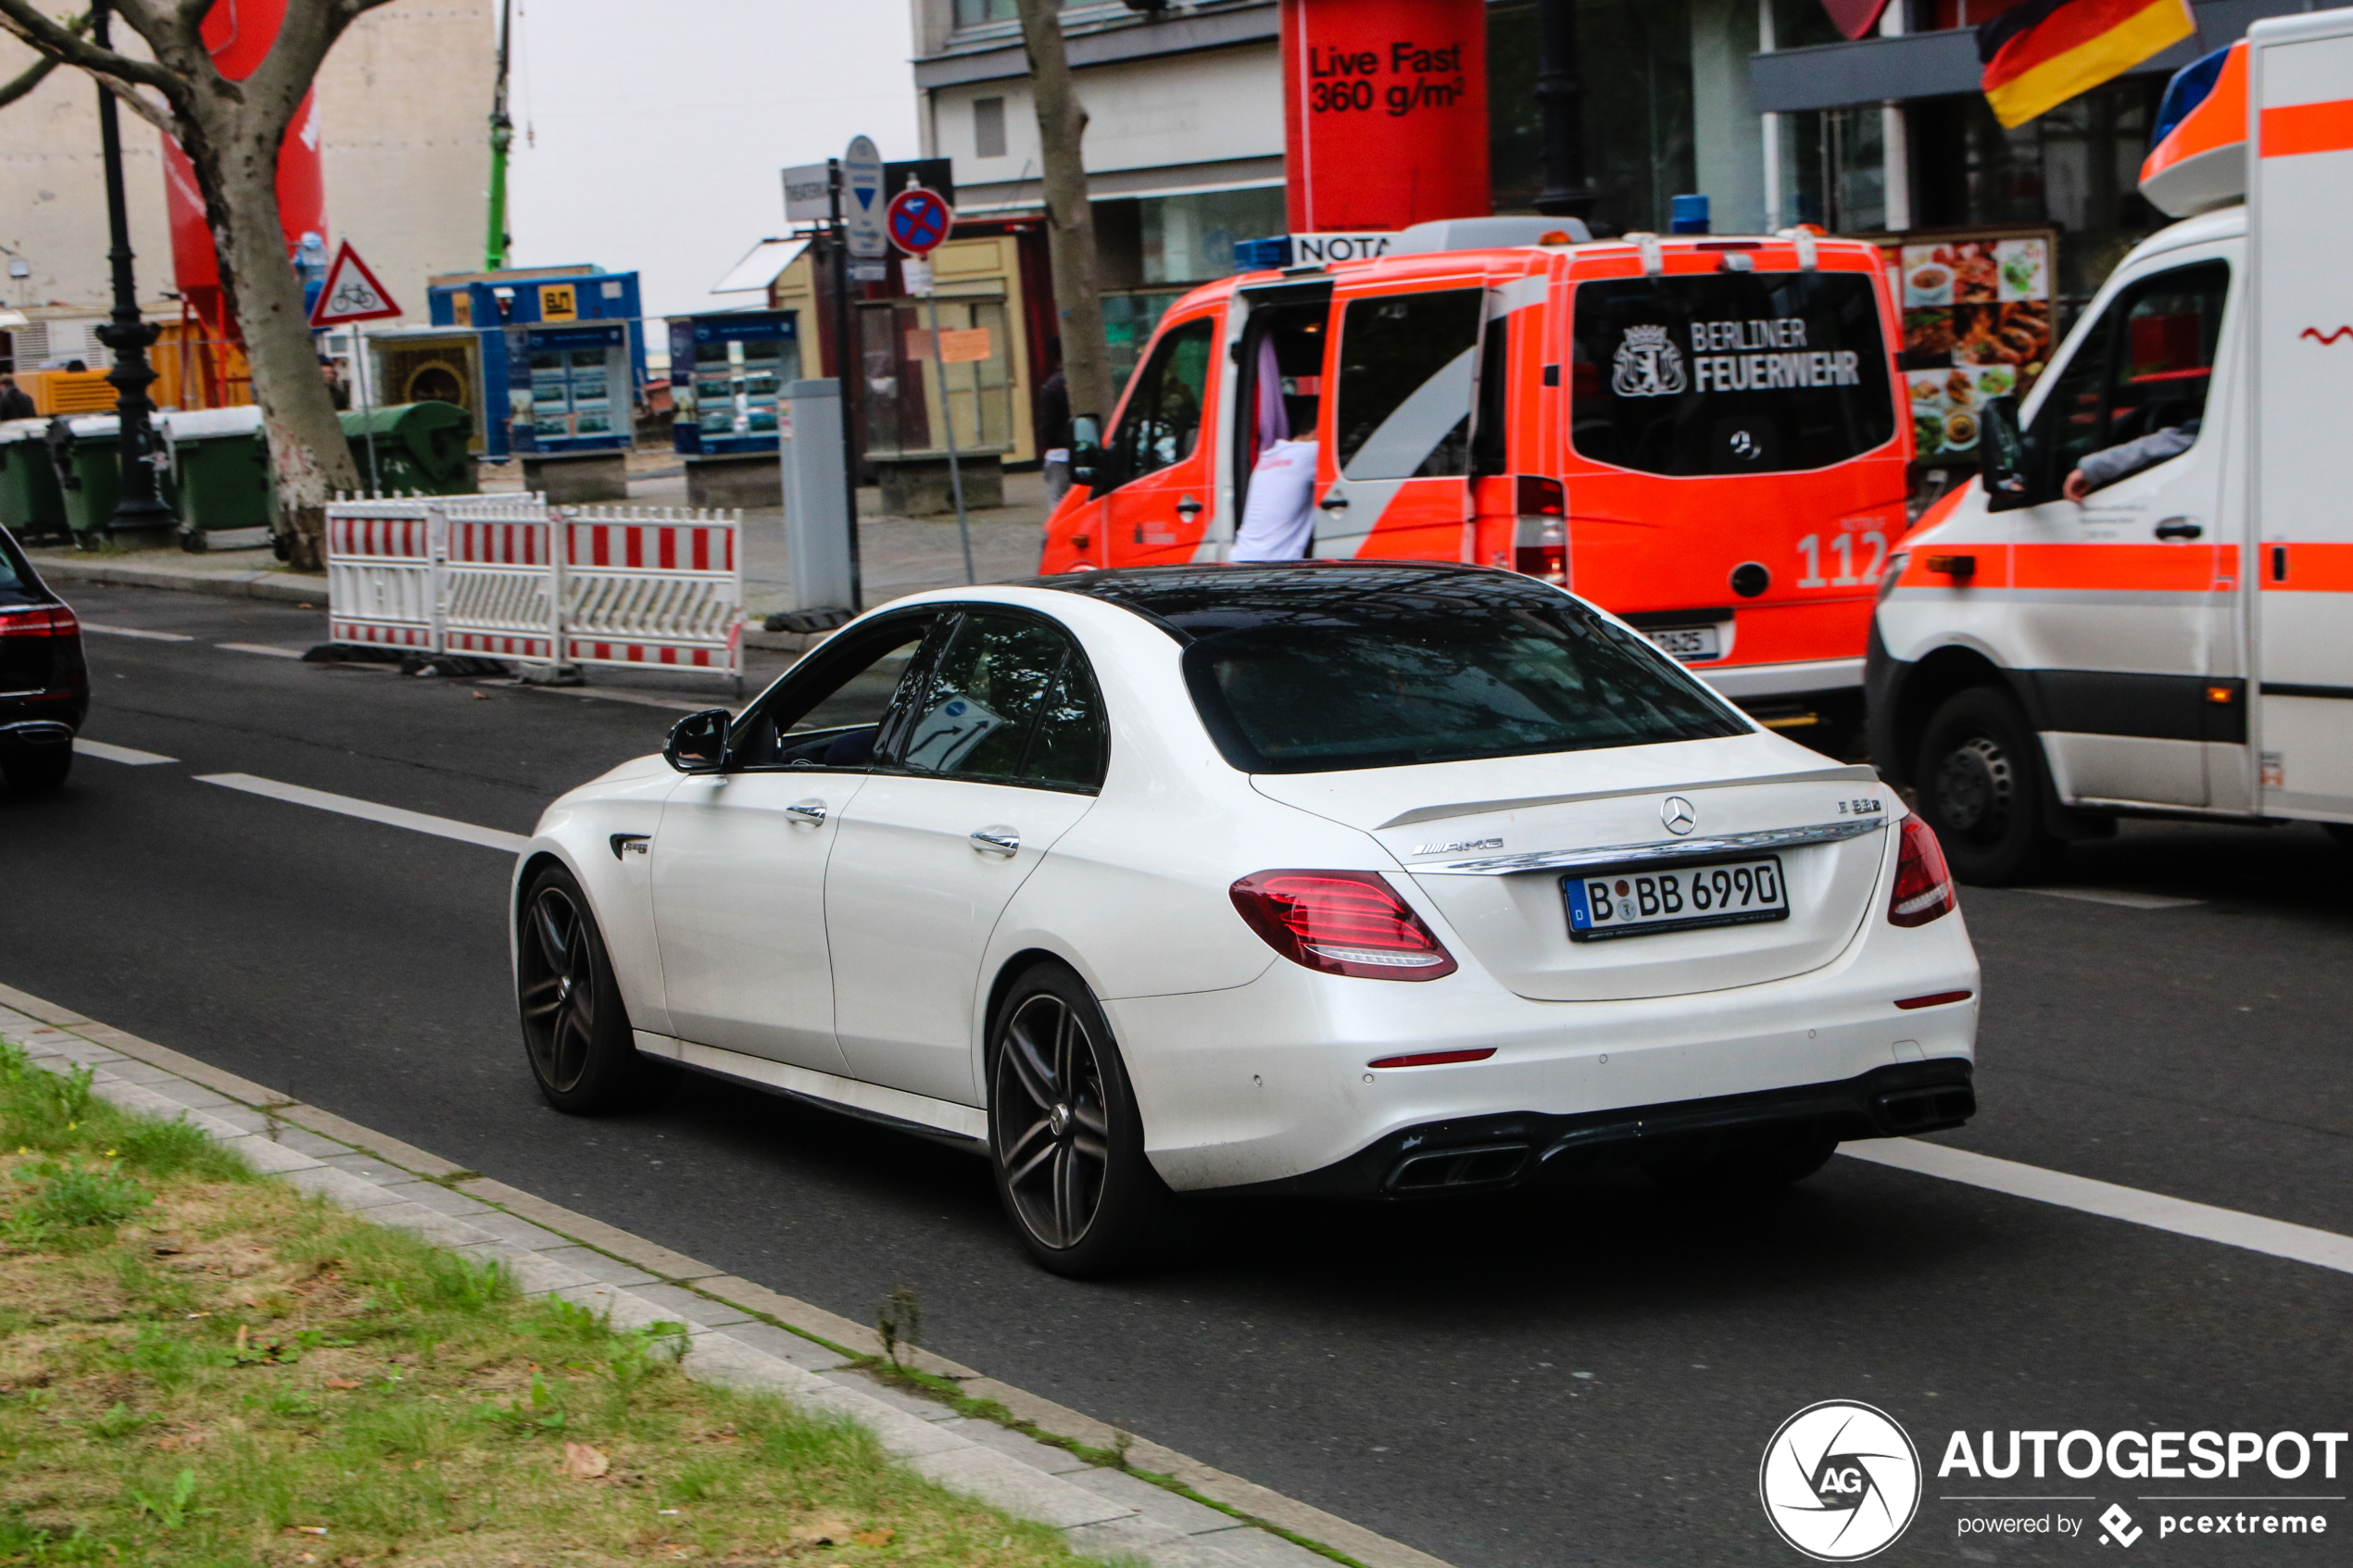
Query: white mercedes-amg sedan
pixel 1383 880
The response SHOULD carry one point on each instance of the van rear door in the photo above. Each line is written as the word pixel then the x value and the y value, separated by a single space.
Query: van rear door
pixel 2300 218
pixel 1393 461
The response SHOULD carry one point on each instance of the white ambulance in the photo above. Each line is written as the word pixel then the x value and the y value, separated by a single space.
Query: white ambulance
pixel 2144 604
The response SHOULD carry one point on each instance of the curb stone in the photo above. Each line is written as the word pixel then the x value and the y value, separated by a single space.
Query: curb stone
pixel 742 1335
pixel 287 586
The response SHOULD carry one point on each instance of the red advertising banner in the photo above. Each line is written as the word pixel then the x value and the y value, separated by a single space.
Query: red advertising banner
pixel 1384 112
pixel 239 33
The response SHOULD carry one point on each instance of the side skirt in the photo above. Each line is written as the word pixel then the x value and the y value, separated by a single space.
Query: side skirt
pixel 961 1126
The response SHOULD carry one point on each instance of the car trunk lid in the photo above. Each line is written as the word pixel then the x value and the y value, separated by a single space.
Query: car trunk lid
pixel 1491 843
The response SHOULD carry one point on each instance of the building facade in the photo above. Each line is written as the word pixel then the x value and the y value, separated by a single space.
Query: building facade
pixel 404 105
pixel 1762 106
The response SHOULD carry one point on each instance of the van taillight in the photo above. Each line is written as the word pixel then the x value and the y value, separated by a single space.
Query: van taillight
pixel 1341 922
pixel 1924 885
pixel 39 621
pixel 1535 496
pixel 1540 534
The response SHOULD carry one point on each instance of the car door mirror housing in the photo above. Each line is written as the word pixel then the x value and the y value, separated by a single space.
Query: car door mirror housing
pixel 2002 456
pixel 698 742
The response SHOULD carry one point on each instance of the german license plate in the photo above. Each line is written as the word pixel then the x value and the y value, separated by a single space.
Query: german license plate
pixel 1686 642
pixel 1645 903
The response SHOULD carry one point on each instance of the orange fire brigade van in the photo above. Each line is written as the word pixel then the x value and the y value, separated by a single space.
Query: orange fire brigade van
pixel 1703 434
pixel 2141 607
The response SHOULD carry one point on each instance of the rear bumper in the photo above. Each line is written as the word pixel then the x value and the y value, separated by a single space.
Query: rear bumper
pixel 1493 1152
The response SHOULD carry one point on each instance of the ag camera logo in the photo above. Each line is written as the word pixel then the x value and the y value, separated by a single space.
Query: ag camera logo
pixel 1841 1481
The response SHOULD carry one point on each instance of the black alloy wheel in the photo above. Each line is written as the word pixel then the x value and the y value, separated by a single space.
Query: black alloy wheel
pixel 1983 788
pixel 1064 1137
pixel 575 1028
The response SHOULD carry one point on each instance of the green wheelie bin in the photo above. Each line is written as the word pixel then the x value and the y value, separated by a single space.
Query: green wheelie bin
pixel 85 448
pixel 421 449
pixel 31 506
pixel 220 468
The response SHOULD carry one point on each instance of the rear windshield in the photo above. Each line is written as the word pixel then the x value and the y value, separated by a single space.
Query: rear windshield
pixel 1731 372
pixel 1326 685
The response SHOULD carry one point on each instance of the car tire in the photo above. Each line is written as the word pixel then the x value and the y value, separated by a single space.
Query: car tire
pixel 575 1027
pixel 1065 1141
pixel 1753 1166
pixel 37 772
pixel 1984 789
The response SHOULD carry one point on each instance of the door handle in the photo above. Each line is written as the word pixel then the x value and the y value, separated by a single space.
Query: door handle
pixel 2179 527
pixel 1334 503
pixel 1189 509
pixel 996 841
pixel 812 812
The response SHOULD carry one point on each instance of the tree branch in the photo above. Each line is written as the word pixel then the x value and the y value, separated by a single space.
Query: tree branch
pixel 31 78
pixel 157 115
pixel 60 43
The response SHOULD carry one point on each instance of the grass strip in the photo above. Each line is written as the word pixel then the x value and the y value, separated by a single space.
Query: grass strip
pixel 201 1367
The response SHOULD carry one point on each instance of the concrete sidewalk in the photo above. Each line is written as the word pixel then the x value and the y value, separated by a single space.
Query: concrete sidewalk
pixel 899 555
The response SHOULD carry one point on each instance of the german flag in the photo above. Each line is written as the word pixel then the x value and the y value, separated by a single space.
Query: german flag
pixel 2039 54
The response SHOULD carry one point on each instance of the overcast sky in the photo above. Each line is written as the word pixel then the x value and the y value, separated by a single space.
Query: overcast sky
pixel 648 133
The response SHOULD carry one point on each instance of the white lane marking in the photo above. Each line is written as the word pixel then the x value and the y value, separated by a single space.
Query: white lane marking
pixel 367 811
pixel 123 754
pixel 261 647
pixel 2324 1249
pixel 136 632
pixel 2120 898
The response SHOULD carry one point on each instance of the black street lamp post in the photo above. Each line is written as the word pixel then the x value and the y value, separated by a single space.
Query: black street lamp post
pixel 140 516
pixel 1560 90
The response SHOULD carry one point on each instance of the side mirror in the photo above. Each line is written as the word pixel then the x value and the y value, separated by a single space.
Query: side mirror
pixel 2002 456
pixel 1086 450
pixel 698 742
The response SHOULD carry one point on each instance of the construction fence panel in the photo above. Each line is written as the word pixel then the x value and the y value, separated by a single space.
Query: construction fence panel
pixel 511 577
pixel 381 559
pixel 498 593
pixel 653 586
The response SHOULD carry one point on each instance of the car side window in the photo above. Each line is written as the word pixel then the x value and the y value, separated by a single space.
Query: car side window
pixel 1404 409
pixel 1162 422
pixel 2145 366
pixel 827 712
pixel 1009 699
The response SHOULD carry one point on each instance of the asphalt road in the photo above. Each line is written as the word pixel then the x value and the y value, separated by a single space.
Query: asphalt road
pixel 1582 1375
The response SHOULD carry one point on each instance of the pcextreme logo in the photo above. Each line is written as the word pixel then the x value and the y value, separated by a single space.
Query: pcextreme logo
pixel 1841 1481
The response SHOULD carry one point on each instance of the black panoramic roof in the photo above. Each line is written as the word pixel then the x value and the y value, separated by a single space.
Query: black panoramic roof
pixel 1199 601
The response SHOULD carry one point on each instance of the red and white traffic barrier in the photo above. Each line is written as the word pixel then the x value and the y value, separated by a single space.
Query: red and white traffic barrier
pixel 511 577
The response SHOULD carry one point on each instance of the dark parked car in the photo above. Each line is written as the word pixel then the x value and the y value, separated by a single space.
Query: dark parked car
pixel 45 684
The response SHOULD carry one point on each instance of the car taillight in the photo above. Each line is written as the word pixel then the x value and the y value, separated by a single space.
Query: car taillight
pixel 1341 922
pixel 39 621
pixel 1924 885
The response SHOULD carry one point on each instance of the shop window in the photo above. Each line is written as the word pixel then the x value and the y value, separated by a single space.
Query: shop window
pixel 910 394
pixel 1636 57
pixel 1189 239
pixel 1405 395
pixel 1129 320
pixel 988 127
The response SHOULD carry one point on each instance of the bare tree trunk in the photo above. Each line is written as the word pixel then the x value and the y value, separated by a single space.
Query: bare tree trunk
pixel 1070 221
pixel 232 132
pixel 308 457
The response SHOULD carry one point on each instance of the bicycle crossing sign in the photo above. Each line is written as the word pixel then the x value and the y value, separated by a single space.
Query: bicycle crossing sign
pixel 919 220
pixel 351 293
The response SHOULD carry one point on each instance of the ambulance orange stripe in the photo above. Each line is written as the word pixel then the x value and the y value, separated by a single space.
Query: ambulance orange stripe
pixel 2309 128
pixel 2146 568
pixel 2312 568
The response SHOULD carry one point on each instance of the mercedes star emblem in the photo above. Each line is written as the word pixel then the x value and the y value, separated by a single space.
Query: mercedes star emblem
pixel 1677 814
